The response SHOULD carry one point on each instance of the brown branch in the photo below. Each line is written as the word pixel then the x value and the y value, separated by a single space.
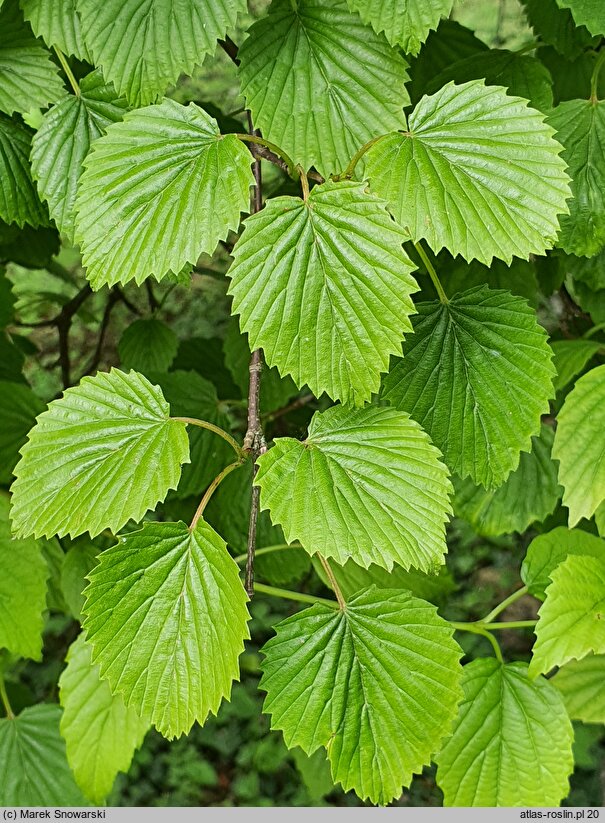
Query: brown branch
pixel 63 323
pixel 230 49
pixel 299 403
pixel 113 298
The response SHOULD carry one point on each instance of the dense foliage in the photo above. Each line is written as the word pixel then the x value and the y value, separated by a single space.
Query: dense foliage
pixel 299 345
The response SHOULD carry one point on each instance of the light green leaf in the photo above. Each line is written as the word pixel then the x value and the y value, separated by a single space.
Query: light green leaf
pixel 160 188
pixel 547 551
pixel 315 772
pixel 511 744
pixel 323 287
pixel 580 445
pixel 53 554
pixel 19 407
pixel 148 345
pixel 599 517
pixel 104 453
pixel 405 23
pixel 366 484
pixel 189 395
pixel 375 683
pixel 527 496
pixel 166 616
pixel 477 375
pixel 78 563
pixel 572 618
pixel 58 24
pixel 580 126
pixel 320 83
pixel 63 141
pixel 28 77
pixel 581 684
pixel 34 766
pixel 556 26
pixel 589 13
pixel 498 202
pixel 22 591
pixel 144 45
pixel 571 357
pixel 19 201
pixel 100 733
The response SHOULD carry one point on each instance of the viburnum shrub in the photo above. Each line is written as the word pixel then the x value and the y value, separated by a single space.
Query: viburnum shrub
pixel 434 211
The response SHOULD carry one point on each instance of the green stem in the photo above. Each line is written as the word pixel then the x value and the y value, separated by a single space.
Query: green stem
pixel 304 182
pixel 260 141
pixel 591 332
pixel 348 172
pixel 70 75
pixel 241 558
pixel 473 628
pixel 431 271
pixel 298 596
pixel 333 581
pixel 594 80
pixel 5 701
pixel 203 424
pixel 211 489
pixel 505 604
pixel 509 624
pixel 533 44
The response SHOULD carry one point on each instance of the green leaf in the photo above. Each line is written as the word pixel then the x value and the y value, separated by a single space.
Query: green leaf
pixel 144 45
pixel 527 496
pixel 581 684
pixel 58 24
pixel 19 407
pixel 323 287
pixel 28 77
pixel 189 395
pixel 497 202
pixel 547 551
pixel 28 247
pixel 580 445
pixel 100 733
pixel 283 566
pixel 571 78
pixel 477 375
pixel 315 772
pixel 511 744
pixel 166 617
pixel 572 618
pixel 571 358
pixel 148 345
pixel 589 271
pixel 7 298
pixel 160 188
pixel 519 278
pixel 53 554
pixel 375 683
pixel 63 141
pixel 34 766
pixel 104 453
pixel 580 126
pixel 22 591
pixel 320 83
pixel 19 201
pixel 556 26
pixel 589 13
pixel 366 484
pixel 79 561
pixel 405 23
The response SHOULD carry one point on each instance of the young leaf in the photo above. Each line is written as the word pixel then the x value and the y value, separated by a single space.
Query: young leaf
pixel 166 617
pixel 58 24
pixel 511 744
pixel 405 23
pixel 527 496
pixel 589 13
pixel 580 445
pixel 19 201
pixel 34 766
pixel 375 683
pixel 320 83
pixel 547 551
pixel 63 141
pixel 500 201
pixel 19 407
pixel 323 286
pixel 28 77
pixel 581 684
pixel 104 453
pixel 160 188
pixel 148 345
pixel 100 733
pixel 477 375
pixel 144 45
pixel 580 126
pixel 572 618
pixel 366 484
pixel 22 591
pixel 570 358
